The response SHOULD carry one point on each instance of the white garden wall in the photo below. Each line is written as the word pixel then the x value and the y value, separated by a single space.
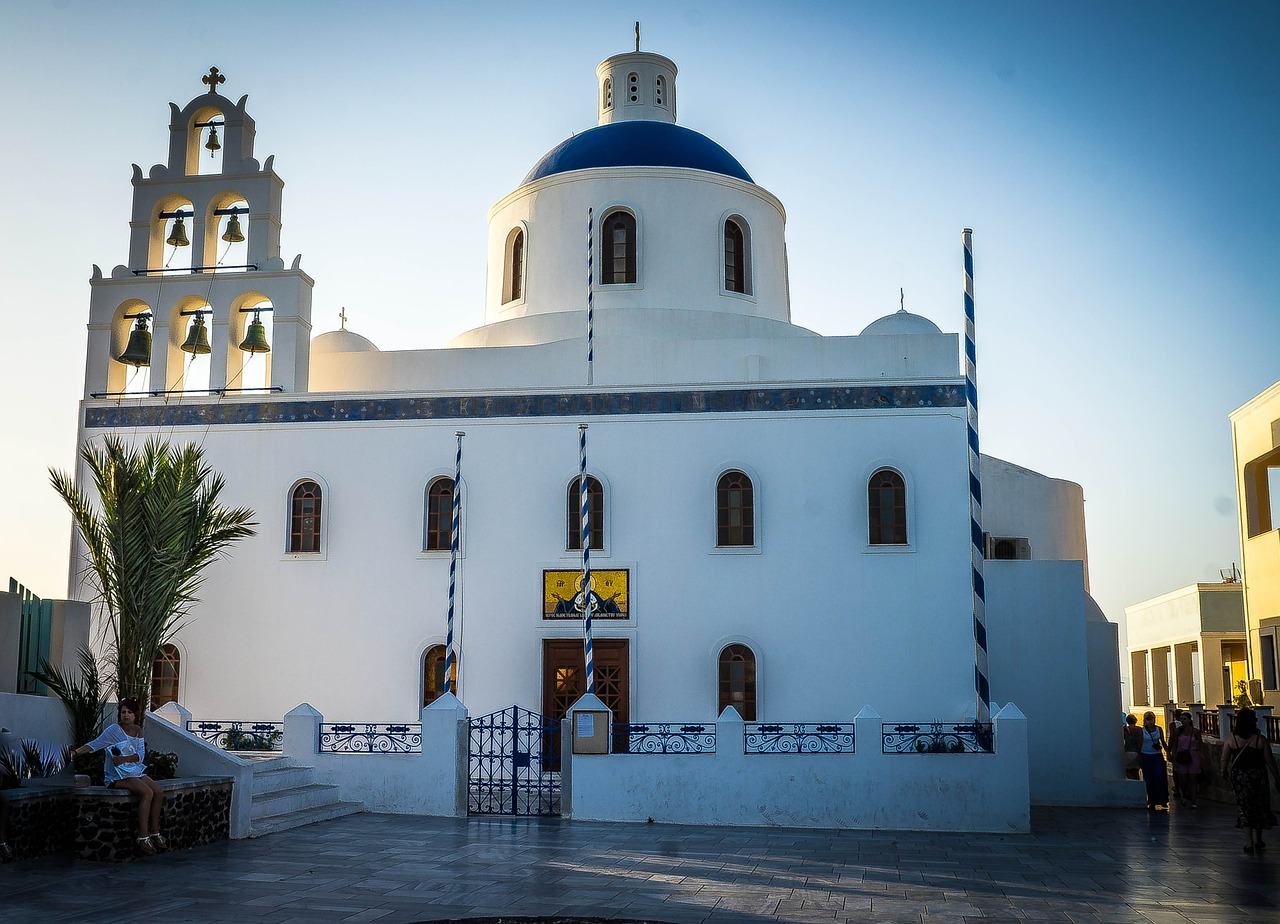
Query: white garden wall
pixel 863 789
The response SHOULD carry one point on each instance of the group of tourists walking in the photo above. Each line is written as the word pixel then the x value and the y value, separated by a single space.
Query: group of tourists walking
pixel 1246 763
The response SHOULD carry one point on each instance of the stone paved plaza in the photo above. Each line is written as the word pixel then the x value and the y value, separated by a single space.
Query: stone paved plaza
pixel 1085 865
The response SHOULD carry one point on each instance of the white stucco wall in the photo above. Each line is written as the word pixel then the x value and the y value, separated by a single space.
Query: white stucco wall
pixel 680 242
pixel 1018 502
pixel 345 630
pixel 1041 653
pixel 864 789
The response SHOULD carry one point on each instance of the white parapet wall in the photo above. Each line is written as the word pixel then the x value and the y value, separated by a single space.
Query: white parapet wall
pixel 41 717
pixel 166 730
pixel 863 789
pixel 432 781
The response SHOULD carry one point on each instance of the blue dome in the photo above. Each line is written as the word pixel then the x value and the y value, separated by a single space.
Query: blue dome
pixel 638 143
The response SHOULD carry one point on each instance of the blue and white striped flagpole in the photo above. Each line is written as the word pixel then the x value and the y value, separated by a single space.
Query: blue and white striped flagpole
pixel 586 558
pixel 981 679
pixel 591 320
pixel 453 562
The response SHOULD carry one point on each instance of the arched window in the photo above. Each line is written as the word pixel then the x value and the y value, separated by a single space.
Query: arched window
pixel 633 87
pixel 433 674
pixel 164 676
pixel 513 267
pixel 735 510
pixel 608 93
pixel 438 526
pixel 304 518
pixel 660 91
pixel 738 681
pixel 618 249
pixel 735 257
pixel 887 508
pixel 595 513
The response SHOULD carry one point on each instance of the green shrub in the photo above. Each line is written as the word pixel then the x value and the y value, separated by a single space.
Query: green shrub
pixel 161 765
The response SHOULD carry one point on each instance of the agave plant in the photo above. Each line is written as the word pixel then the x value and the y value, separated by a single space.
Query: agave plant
pixel 153 527
pixel 34 761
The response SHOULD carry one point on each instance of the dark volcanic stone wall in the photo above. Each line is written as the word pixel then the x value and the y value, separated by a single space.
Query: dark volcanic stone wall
pixel 102 824
pixel 40 821
pixel 194 813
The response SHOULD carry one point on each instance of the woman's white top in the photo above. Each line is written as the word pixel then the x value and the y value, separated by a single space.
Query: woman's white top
pixel 1151 740
pixel 119 745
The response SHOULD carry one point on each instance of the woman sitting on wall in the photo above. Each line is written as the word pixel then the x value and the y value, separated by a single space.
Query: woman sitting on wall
pixel 124 769
pixel 1246 758
pixel 1155 771
pixel 1187 750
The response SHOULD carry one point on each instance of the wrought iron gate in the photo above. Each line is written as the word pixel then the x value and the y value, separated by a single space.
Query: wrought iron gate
pixel 513 764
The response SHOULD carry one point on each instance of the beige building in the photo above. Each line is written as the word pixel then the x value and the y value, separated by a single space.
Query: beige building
pixel 1187 646
pixel 1255 431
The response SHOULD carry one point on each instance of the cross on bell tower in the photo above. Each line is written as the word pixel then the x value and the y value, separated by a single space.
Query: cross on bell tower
pixel 212 79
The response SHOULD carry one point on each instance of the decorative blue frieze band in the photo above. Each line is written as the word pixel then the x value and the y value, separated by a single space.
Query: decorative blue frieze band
pixel 488 407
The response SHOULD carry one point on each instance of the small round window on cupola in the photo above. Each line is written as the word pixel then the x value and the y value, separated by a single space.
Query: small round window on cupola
pixel 633 87
pixel 660 91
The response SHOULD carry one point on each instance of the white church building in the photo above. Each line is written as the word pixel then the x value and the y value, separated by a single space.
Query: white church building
pixel 779 520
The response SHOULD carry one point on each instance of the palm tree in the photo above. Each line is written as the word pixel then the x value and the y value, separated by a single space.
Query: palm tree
pixel 155 526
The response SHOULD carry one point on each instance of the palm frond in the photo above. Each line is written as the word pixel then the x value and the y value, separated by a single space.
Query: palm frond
pixel 156 526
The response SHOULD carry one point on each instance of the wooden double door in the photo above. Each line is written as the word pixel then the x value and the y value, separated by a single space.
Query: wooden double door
pixel 564 678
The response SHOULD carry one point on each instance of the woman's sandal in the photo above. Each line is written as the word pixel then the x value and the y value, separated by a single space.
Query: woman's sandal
pixel 159 841
pixel 145 845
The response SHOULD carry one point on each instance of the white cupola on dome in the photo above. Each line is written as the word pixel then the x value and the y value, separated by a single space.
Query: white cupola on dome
pixel 636 85
pixel 663 218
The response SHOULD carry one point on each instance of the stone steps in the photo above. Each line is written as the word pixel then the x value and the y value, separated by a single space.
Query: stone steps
pixel 286 795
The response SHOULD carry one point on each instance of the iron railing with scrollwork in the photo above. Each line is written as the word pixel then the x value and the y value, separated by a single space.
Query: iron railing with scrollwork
pixel 938 738
pixel 797 738
pixel 240 736
pixel 665 738
pixel 370 738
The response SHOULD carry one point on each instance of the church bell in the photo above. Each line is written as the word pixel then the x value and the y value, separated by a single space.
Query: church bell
pixel 255 338
pixel 197 342
pixel 213 144
pixel 138 351
pixel 233 234
pixel 178 236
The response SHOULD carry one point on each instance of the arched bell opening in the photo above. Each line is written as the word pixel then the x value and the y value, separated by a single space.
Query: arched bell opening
pixel 249 346
pixel 205 134
pixel 226 236
pixel 190 340
pixel 172 231
pixel 131 347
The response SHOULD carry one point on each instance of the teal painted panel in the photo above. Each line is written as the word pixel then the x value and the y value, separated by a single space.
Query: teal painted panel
pixel 34 638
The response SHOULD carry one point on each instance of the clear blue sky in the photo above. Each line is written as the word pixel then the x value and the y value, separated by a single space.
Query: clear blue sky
pixel 1117 162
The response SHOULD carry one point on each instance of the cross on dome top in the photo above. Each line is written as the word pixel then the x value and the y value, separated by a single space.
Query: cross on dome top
pixel 212 79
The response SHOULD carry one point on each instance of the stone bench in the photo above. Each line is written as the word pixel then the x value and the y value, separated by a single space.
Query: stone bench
pixel 99 823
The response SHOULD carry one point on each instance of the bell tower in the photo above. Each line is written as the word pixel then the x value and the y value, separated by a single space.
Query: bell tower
pixel 204 269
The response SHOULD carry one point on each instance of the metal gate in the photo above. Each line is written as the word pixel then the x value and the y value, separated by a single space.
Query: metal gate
pixel 513 764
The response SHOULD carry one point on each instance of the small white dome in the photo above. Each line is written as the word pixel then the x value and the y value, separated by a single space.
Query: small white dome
pixel 901 322
pixel 342 341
